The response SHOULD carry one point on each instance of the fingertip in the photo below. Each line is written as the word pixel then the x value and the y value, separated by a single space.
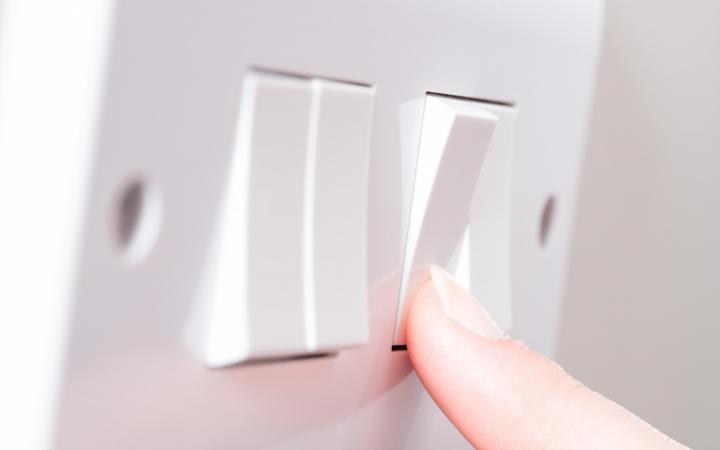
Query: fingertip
pixel 502 395
pixel 432 335
pixel 458 367
pixel 429 332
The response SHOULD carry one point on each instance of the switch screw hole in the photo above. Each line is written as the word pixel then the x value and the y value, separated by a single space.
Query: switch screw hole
pixel 138 214
pixel 546 220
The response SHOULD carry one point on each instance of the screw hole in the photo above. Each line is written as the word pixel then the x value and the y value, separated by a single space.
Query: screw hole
pixel 137 220
pixel 546 220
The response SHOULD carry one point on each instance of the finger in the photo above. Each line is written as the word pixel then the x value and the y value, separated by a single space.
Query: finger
pixel 500 394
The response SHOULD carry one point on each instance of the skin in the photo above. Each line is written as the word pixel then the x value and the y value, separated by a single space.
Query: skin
pixel 503 396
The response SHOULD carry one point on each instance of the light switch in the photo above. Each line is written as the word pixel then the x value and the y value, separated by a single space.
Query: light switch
pixel 488 237
pixel 257 305
pixel 454 140
pixel 336 262
pixel 290 272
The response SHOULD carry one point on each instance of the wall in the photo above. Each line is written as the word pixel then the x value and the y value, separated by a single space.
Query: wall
pixel 643 298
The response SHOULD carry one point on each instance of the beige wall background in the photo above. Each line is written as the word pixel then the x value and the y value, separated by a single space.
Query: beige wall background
pixel 642 314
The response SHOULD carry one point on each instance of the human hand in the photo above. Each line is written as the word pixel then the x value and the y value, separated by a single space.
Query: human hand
pixel 502 395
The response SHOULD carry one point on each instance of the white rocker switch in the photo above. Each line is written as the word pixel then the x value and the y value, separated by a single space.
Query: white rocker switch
pixel 454 140
pixel 289 271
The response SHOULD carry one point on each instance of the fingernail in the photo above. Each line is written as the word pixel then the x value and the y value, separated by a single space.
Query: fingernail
pixel 462 307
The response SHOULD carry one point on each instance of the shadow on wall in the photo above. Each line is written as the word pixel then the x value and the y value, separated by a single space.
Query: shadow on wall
pixel 640 318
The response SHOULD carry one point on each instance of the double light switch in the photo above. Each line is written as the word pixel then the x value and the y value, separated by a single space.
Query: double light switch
pixel 290 274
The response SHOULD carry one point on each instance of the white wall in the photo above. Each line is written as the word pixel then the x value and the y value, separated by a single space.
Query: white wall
pixel 642 313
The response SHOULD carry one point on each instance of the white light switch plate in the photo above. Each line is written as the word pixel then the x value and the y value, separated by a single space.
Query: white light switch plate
pixel 146 93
